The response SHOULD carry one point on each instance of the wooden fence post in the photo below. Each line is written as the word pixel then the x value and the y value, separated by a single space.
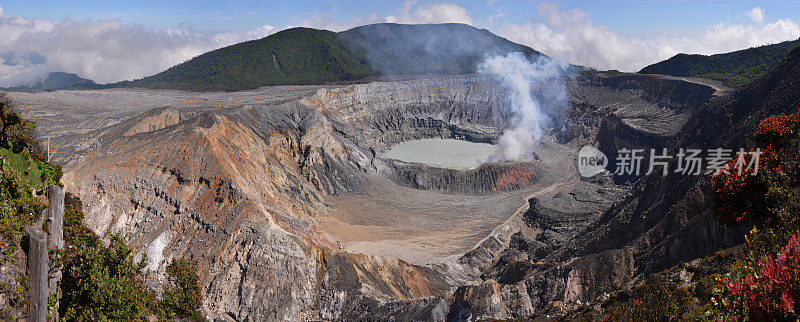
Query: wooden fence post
pixel 55 210
pixel 38 272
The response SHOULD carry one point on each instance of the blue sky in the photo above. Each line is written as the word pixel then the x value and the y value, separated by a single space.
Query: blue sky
pixel 643 16
pixel 109 41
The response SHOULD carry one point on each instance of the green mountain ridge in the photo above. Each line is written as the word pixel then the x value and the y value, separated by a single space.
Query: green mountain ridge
pixel 292 56
pixel 302 56
pixel 734 69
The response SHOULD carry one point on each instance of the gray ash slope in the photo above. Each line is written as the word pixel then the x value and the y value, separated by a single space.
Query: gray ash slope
pixel 284 198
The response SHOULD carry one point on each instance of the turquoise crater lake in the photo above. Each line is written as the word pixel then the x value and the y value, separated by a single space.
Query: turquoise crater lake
pixel 443 153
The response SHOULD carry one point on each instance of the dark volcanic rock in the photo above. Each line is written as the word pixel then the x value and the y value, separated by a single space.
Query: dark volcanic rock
pixel 489 177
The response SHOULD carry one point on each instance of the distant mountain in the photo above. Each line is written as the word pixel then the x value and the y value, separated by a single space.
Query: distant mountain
pixel 734 69
pixel 56 81
pixel 433 48
pixel 309 56
pixel 292 56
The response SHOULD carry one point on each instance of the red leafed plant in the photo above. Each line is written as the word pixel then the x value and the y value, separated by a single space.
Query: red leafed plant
pixel 765 283
pixel 738 195
pixel 733 203
pixel 769 290
pixel 776 130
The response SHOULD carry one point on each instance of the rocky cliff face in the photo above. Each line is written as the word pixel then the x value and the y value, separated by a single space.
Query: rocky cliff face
pixel 274 193
pixel 661 221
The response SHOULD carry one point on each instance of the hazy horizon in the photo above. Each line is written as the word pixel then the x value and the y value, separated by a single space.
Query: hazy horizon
pixel 110 42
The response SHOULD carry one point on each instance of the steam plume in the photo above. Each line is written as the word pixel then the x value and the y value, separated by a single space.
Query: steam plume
pixel 535 88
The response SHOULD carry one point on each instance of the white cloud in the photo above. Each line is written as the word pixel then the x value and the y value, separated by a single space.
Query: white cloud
pixel 111 51
pixel 328 23
pixel 496 15
pixel 412 13
pixel 571 36
pixel 756 14
pixel 104 51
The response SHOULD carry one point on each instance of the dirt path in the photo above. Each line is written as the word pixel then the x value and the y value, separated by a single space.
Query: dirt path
pixel 505 227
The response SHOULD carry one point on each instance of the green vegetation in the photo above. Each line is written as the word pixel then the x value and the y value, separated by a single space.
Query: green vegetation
pixel 657 299
pixel 182 297
pixel 19 209
pixel 293 56
pixel 23 170
pixel 103 282
pixel 734 69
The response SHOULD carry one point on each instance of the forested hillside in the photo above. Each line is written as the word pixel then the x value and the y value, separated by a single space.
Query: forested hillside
pixel 734 69
pixel 292 56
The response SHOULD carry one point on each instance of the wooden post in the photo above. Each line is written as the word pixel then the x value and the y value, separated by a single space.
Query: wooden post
pixel 37 274
pixel 55 198
pixel 55 211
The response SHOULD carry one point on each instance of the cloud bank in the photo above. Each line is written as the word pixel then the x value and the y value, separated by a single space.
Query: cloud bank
pixel 571 35
pixel 110 51
pixel 411 12
pixel 104 51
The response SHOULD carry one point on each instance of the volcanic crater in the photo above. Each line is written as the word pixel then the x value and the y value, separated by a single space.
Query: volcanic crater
pixel 265 188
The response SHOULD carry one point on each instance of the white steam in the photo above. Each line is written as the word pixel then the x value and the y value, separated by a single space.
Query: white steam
pixel 534 88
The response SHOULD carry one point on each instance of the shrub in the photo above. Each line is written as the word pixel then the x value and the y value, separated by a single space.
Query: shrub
pixel 732 191
pixel 18 209
pixel 766 290
pixel 657 299
pixel 765 283
pixel 183 296
pixel 742 197
pixel 102 283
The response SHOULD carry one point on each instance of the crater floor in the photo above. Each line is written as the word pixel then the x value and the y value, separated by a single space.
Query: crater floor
pixel 428 226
